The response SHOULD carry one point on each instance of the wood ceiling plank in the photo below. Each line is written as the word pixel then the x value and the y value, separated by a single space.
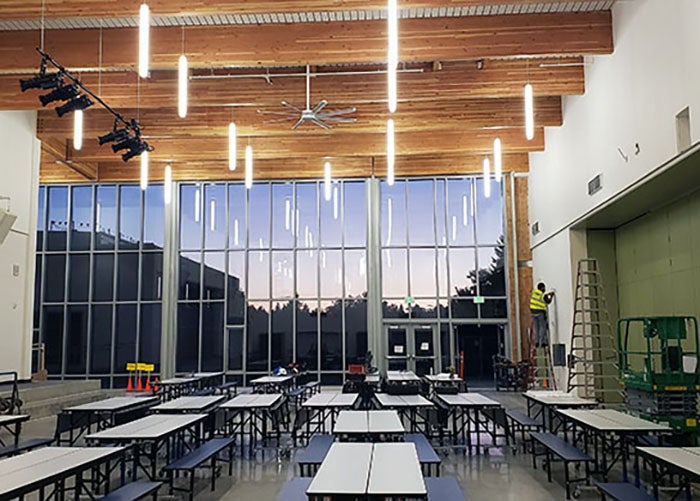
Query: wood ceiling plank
pixel 321 43
pixel 59 152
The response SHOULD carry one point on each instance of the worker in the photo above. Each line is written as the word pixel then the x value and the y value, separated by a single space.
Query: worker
pixel 538 311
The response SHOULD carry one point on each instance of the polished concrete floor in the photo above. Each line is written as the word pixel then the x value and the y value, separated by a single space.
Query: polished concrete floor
pixel 498 475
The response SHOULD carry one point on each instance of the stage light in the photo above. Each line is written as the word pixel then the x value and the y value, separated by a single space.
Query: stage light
pixel 63 93
pixel 140 148
pixel 78 103
pixel 127 144
pixel 41 81
pixel 117 135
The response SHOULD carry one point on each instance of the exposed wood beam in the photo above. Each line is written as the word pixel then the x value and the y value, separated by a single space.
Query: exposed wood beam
pixel 322 43
pixel 59 151
pixel 455 81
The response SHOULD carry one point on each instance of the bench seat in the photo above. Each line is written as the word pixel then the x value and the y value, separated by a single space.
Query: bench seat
pixel 310 458
pixel 25 446
pixel 133 491
pixel 567 453
pixel 519 422
pixel 295 489
pixel 427 457
pixel 444 489
pixel 622 491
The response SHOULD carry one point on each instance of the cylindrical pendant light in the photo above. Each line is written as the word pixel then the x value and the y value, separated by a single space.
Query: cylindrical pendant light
pixel 144 39
pixel 168 187
pixel 497 159
pixel 487 177
pixel 529 113
pixel 249 166
pixel 390 152
pixel 78 129
pixel 392 52
pixel 232 146
pixel 144 170
pixel 183 77
pixel 327 187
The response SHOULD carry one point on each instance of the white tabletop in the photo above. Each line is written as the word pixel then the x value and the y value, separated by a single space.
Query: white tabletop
pixel 469 400
pixel 272 379
pixel 395 471
pixel 402 400
pixel 13 418
pixel 351 422
pixel 253 401
pixel 112 404
pixel 558 398
pixel 359 422
pixel 178 381
pixel 611 420
pixel 344 471
pixel 442 377
pixel 331 399
pixel 204 375
pixel 150 427
pixel 190 403
pixel 384 422
pixel 397 376
pixel 372 378
pixel 685 458
pixel 24 470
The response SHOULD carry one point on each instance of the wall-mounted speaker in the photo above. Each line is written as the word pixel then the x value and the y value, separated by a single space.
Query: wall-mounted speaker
pixel 7 219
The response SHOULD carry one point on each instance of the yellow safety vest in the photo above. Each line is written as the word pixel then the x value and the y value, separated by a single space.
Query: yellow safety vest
pixel 537 301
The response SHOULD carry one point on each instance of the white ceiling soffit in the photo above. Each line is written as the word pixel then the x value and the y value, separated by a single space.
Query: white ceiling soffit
pixel 307 17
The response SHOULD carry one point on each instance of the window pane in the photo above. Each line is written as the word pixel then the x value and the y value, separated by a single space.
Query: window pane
pixel 76 339
pixel 258 317
pixel 235 349
pixel 41 219
pixel 307 200
pixel 101 339
pixel 128 276
pixel 460 212
pixel 307 273
pixel 213 337
pixel 283 217
pixel 423 273
pixel 189 275
pixel 331 229
pixel 282 349
pixel 259 216
pixel 489 214
pixel 151 276
pixel 52 337
pixel 259 275
pixel 57 218
pixel 440 208
pixel 463 272
pixel 79 278
pixel 190 216
pixel 154 217
pixel 282 274
pixel 105 217
pixel 443 290
pixel 149 337
pixel 54 280
pixel 331 335
pixel 393 214
pixel 187 352
pixel 124 337
pixel 446 360
pixel 394 308
pixel 421 227
pixel 37 289
pixel 424 308
pixel 129 217
pixel 215 220
pixel 81 217
pixel 463 308
pixel 355 214
pixel 394 273
pixel 355 273
pixel 355 331
pixel 307 334
pixel 331 274
pixel 494 308
pixel 236 283
pixel 236 211
pixel 214 275
pixel 492 279
pixel 103 278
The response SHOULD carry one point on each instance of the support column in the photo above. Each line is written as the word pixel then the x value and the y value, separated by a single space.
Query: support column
pixel 375 340
pixel 169 288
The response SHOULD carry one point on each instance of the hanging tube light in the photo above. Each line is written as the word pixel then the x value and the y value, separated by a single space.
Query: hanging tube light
pixel 529 113
pixel 327 187
pixel 182 78
pixel 78 130
pixel 393 52
pixel 144 36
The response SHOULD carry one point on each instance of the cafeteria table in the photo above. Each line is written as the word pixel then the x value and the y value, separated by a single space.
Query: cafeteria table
pixel 178 387
pixel 542 404
pixel 467 409
pixel 272 384
pixel 681 461
pixel 372 426
pixel 324 407
pixel 189 404
pixel 412 408
pixel 443 380
pixel 103 413
pixel 250 414
pixel 12 423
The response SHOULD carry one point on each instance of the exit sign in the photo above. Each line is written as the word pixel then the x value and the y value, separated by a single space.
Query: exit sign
pixel 479 300
pixel 409 300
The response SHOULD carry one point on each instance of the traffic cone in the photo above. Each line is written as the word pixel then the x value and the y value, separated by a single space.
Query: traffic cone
pixel 139 387
pixel 129 385
pixel 147 389
pixel 155 384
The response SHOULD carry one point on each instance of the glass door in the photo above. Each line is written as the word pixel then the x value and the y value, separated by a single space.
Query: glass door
pixel 412 347
pixel 397 354
pixel 424 342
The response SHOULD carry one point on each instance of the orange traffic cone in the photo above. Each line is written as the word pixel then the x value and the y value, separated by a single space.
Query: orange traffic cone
pixel 139 388
pixel 156 387
pixel 129 386
pixel 147 389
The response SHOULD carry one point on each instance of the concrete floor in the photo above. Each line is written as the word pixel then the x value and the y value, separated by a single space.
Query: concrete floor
pixel 496 476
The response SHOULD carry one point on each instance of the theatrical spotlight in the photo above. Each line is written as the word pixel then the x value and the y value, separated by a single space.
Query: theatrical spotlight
pixel 116 136
pixel 78 103
pixel 138 149
pixel 41 81
pixel 63 93
pixel 126 144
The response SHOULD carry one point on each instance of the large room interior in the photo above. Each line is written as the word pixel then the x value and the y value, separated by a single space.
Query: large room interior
pixel 343 250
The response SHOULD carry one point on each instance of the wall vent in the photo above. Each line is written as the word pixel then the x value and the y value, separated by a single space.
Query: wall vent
pixel 683 139
pixel 535 228
pixel 595 185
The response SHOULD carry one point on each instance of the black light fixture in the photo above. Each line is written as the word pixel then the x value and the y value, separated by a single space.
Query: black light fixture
pixel 42 80
pixel 138 149
pixel 78 103
pixel 117 135
pixel 63 93
pixel 126 144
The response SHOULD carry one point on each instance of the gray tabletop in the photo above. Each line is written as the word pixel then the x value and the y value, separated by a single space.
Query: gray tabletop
pixel 272 379
pixel 25 470
pixel 401 376
pixel 442 378
pixel 612 420
pixel 189 404
pixel 255 401
pixel 558 398
pixel 402 400
pixel 330 399
pixel 148 428
pixel 112 404
pixel 344 471
pixel 395 471
pixel 362 422
pixel 176 381
pixel 13 418
pixel 468 400
pixel 685 458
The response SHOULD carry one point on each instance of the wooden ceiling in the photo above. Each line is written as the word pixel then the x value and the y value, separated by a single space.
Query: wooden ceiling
pixel 462 87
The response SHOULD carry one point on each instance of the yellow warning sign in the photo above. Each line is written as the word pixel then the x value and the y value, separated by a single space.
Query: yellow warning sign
pixel 131 366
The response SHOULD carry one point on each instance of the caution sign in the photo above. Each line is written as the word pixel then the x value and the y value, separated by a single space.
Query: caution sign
pixel 131 366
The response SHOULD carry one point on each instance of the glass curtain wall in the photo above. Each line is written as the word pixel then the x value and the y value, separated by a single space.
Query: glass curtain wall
pixel 99 275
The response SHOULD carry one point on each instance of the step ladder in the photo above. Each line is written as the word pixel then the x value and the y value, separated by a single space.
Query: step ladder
pixel 540 369
pixel 592 361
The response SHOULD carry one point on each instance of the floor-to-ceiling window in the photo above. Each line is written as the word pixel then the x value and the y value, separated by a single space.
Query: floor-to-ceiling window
pixel 99 275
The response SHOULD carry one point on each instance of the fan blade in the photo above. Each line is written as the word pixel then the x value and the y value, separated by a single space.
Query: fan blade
pixel 280 113
pixel 322 104
pixel 320 124
pixel 346 111
pixel 296 125
pixel 291 107
pixel 347 120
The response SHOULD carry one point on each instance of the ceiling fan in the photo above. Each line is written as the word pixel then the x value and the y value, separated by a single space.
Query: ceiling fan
pixel 314 115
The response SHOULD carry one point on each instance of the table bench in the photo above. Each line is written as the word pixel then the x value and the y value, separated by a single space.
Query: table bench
pixel 443 489
pixel 294 490
pixel 567 453
pixel 622 491
pixel 310 458
pixel 519 422
pixel 312 387
pixel 427 457
pixel 133 491
pixel 64 424
pixel 209 450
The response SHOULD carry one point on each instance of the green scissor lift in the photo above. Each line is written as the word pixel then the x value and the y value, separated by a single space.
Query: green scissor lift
pixel 651 354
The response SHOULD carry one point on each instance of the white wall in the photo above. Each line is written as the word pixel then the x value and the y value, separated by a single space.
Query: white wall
pixel 631 97
pixel 19 178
